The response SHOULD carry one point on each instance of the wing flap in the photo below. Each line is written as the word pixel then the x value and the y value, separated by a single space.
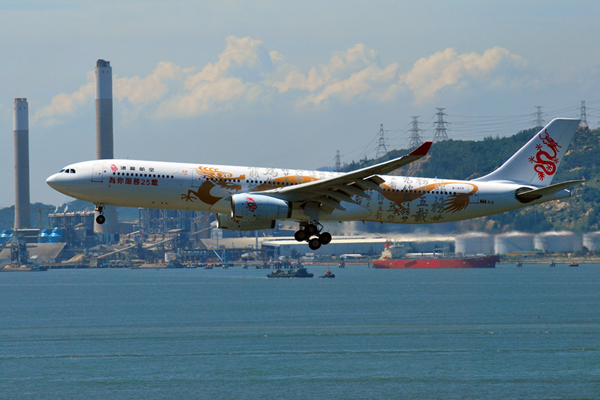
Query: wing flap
pixel 344 186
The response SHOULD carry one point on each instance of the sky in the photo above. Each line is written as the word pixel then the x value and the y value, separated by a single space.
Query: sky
pixel 285 83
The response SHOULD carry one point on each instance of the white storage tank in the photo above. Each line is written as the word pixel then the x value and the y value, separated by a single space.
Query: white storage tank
pixel 592 241
pixel 558 242
pixel 474 243
pixel 513 242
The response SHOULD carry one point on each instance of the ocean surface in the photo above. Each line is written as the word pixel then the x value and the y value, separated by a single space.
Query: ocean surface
pixel 504 333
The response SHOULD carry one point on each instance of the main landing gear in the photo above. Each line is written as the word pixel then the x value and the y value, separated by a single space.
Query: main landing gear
pixel 306 233
pixel 100 219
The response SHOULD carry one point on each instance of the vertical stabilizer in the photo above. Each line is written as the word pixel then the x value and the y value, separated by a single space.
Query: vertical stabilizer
pixel 536 163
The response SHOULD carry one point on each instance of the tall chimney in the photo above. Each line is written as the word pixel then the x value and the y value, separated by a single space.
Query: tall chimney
pixel 22 201
pixel 104 137
pixel 104 111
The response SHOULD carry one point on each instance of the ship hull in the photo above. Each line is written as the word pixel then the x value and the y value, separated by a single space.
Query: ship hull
pixel 479 262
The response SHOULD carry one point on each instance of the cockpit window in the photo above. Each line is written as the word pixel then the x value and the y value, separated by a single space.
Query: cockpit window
pixel 67 171
pixel 72 171
pixel 62 170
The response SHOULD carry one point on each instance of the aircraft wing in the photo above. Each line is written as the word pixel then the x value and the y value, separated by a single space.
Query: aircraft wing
pixel 331 191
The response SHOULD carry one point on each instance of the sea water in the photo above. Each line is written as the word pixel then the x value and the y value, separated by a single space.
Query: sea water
pixel 503 333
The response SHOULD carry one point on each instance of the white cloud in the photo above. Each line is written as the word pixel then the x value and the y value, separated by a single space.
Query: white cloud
pixel 65 104
pixel 247 74
pixel 449 69
pixel 153 87
pixel 238 51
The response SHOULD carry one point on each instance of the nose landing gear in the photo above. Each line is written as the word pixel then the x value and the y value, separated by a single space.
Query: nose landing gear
pixel 100 219
pixel 307 231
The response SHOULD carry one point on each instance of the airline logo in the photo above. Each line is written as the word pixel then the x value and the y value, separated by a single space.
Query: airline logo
pixel 251 204
pixel 546 158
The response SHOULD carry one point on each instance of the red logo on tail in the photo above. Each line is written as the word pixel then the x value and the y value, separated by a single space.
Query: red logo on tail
pixel 547 165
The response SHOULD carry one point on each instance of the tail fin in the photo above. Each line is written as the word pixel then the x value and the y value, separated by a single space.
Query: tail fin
pixel 536 163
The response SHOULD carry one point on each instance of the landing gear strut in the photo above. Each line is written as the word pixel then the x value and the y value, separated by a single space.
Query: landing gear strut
pixel 307 233
pixel 100 219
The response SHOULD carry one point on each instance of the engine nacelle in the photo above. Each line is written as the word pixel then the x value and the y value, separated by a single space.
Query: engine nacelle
pixel 255 207
pixel 224 221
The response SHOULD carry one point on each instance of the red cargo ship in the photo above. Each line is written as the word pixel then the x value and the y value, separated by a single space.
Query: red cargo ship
pixel 394 256
pixel 439 262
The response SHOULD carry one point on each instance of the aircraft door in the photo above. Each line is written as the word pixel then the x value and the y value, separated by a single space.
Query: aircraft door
pixel 98 173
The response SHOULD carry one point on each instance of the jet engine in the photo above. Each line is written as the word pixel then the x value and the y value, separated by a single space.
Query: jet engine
pixel 226 222
pixel 256 207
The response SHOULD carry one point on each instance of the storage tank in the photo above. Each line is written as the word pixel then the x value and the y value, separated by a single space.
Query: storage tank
pixel 5 236
pixel 592 241
pixel 45 236
pixel 474 243
pixel 558 242
pixel 57 236
pixel 513 242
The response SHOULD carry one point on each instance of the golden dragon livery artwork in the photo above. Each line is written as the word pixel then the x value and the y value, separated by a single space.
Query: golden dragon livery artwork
pixel 216 185
pixel 228 184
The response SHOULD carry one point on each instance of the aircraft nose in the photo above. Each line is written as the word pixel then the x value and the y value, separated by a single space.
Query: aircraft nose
pixel 54 182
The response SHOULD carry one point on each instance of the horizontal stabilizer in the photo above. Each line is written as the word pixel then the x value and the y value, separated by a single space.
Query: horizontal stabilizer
pixel 531 195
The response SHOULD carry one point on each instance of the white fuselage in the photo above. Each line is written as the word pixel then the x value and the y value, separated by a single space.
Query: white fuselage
pixel 181 186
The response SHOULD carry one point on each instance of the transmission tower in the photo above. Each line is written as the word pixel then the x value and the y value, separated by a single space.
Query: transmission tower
pixel 338 161
pixel 415 138
pixel 440 126
pixel 381 149
pixel 583 123
pixel 539 117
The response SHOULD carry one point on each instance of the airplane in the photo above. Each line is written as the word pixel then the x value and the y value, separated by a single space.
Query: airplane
pixel 254 198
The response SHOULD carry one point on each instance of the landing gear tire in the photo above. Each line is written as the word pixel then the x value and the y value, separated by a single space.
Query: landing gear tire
pixel 100 219
pixel 300 236
pixel 325 238
pixel 311 229
pixel 314 244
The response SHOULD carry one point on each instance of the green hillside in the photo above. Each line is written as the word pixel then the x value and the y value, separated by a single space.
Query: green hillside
pixel 456 159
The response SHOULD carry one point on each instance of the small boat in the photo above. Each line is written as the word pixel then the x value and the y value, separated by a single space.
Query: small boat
pixel 292 273
pixel 328 274
pixel 574 264
pixel 208 266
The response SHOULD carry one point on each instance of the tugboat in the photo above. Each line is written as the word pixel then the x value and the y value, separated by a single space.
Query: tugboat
pixel 328 274
pixel 292 273
pixel 574 264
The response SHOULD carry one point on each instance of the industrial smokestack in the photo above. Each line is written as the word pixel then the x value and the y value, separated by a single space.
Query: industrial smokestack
pixel 21 125
pixel 104 136
pixel 104 111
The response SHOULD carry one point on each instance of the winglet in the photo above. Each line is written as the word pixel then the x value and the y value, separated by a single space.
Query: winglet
pixel 422 150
